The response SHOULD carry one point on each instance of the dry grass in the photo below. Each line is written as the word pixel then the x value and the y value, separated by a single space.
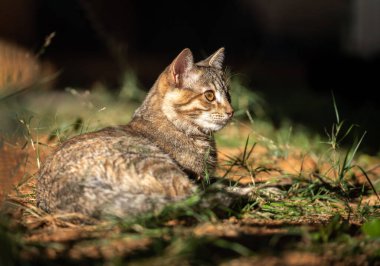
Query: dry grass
pixel 312 213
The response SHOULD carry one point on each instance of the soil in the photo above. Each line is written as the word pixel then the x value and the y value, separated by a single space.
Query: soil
pixel 72 238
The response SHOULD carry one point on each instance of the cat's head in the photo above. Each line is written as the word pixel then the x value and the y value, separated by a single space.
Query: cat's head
pixel 197 96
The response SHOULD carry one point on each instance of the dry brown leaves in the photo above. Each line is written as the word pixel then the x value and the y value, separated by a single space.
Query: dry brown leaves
pixel 78 237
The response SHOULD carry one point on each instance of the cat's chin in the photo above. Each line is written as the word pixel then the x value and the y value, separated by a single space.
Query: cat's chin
pixel 213 127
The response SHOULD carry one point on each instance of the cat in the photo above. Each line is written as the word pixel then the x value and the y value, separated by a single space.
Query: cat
pixel 152 161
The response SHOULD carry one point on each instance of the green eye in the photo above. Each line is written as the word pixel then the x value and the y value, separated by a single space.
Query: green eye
pixel 210 96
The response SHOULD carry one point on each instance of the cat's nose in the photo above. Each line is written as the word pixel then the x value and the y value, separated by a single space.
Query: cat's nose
pixel 230 113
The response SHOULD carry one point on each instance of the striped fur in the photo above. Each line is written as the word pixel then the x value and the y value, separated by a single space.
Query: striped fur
pixel 147 163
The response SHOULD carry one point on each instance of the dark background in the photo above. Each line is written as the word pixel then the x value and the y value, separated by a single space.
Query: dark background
pixel 294 53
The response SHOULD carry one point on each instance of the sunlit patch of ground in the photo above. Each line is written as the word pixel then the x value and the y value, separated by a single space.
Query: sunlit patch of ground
pixel 299 213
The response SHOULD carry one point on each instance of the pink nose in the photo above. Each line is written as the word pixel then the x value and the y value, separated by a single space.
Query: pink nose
pixel 230 113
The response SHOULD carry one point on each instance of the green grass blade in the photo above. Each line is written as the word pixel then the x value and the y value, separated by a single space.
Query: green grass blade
pixel 335 109
pixel 352 154
pixel 346 134
pixel 369 181
pixel 245 149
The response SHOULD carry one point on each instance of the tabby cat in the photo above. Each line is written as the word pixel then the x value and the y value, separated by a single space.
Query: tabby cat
pixel 153 160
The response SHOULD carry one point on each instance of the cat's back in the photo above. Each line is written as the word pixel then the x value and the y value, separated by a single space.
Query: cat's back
pixel 107 143
pixel 87 152
pixel 94 168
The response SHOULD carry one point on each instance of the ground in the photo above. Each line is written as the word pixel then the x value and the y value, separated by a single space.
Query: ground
pixel 313 202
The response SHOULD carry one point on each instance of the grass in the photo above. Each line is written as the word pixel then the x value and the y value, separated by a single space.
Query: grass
pixel 309 193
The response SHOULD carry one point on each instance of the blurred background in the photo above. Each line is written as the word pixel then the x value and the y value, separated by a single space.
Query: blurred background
pixel 294 54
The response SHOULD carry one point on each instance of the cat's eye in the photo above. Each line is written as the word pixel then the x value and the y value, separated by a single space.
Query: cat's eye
pixel 210 96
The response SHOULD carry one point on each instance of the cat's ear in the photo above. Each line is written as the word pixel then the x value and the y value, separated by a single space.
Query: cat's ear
pixel 214 60
pixel 181 64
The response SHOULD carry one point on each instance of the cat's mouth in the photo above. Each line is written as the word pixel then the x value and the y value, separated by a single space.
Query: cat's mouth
pixel 216 125
pixel 221 120
pixel 223 123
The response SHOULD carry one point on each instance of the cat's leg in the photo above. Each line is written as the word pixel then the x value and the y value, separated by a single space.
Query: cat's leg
pixel 164 183
pixel 221 195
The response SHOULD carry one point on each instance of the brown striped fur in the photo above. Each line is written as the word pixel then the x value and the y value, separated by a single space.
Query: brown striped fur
pixel 147 163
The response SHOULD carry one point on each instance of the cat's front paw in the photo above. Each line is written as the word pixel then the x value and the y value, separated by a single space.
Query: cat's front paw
pixel 271 193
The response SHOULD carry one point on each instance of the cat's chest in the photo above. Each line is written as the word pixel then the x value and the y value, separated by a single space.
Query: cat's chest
pixel 194 155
